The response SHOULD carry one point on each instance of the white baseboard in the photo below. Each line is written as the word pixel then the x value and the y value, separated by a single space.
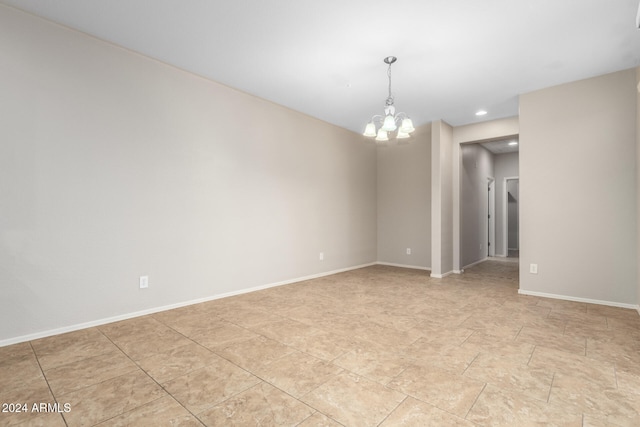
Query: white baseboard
pixel 104 321
pixel 415 267
pixel 578 299
pixel 443 275
pixel 474 263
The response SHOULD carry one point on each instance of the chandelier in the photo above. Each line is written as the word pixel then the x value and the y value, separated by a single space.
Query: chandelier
pixel 390 121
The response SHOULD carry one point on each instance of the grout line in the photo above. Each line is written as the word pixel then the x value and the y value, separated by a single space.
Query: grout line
pixel 470 363
pixel 475 401
pixel 531 355
pixel 47 381
pixel 518 334
pixel 393 410
pixel 553 378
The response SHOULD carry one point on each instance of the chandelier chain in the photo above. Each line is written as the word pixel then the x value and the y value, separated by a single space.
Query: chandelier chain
pixel 390 97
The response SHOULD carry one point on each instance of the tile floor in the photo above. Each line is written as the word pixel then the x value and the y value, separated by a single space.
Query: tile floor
pixel 377 346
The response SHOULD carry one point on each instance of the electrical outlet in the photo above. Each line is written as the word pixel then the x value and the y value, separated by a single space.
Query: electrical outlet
pixel 144 282
pixel 408 251
pixel 321 257
pixel 533 268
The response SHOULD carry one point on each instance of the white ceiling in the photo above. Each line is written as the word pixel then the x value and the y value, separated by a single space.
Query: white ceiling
pixel 324 58
pixel 502 146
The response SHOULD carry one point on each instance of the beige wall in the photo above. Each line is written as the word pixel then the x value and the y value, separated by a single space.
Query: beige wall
pixel 404 201
pixel 637 261
pixel 115 166
pixel 578 189
pixel 442 220
pixel 492 129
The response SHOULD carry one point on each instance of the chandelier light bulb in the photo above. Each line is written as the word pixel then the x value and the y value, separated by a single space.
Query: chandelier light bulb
pixel 389 124
pixel 370 130
pixel 402 134
pixel 382 135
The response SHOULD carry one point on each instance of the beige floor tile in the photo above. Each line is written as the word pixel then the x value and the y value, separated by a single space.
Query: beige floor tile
pixel 26 398
pixel 628 383
pixel 16 353
pixel 249 318
pixel 396 320
pixel 627 325
pixel 100 402
pixel 452 358
pixel 261 405
pixel 93 370
pixel 563 306
pixel 34 419
pixel 589 421
pixel 609 404
pixel 574 365
pixel 496 407
pixel 499 347
pixel 386 335
pixel 319 420
pixel 553 340
pixel 208 386
pixel 136 327
pixel 70 347
pixel 581 330
pixel 490 326
pixel 436 333
pixel 610 350
pixel 615 312
pixel 545 324
pixel 353 400
pixel 156 341
pixel 222 335
pixel 286 331
pixel 194 324
pixel 509 374
pixel 160 412
pixel 378 365
pixel 297 373
pixel 414 413
pixel 571 316
pixel 449 392
pixel 177 362
pixel 323 345
pixel 20 373
pixel 445 316
pixel 252 353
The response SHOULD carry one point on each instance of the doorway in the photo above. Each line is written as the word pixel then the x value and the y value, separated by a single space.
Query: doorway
pixel 491 217
pixel 511 209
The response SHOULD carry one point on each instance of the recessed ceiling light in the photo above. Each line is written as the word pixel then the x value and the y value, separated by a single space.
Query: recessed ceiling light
pixel 481 113
pixel 513 143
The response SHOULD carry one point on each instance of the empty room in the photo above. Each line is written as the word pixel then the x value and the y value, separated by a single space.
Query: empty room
pixel 296 213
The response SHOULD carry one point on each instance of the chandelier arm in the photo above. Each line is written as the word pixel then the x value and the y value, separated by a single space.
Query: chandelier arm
pixel 377 118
